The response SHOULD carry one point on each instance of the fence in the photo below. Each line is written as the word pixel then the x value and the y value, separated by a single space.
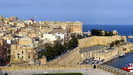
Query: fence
pixel 114 70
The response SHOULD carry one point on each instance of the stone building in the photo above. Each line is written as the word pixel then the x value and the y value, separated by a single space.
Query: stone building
pixel 44 28
pixel 75 27
pixel 115 32
pixel 13 19
pixel 106 54
pixel 88 52
pixel 50 38
pixel 99 53
pixel 1 20
pixel 23 51
pixel 20 24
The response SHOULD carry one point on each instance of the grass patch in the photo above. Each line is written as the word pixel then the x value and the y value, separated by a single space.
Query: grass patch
pixel 61 74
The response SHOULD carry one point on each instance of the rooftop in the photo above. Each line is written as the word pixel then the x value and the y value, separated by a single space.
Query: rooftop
pixel 106 50
pixel 92 48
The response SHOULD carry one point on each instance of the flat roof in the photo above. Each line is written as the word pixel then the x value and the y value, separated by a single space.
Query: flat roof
pixel 106 50
pixel 92 48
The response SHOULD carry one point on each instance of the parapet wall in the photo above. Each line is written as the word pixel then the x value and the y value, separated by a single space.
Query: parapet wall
pixel 99 40
pixel 107 68
pixel 70 58
pixel 45 67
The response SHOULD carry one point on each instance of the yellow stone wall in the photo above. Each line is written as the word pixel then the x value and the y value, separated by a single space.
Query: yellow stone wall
pixel 75 27
pixel 25 41
pixel 106 55
pixel 98 40
pixel 126 48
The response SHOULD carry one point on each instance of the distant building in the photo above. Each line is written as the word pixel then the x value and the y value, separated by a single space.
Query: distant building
pixel 13 19
pixel 88 52
pixel 75 27
pixel 20 24
pixel 49 37
pixel 98 53
pixel 106 54
pixel 115 32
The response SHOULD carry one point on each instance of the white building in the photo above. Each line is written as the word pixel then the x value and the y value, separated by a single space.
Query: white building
pixel 49 37
pixel 60 36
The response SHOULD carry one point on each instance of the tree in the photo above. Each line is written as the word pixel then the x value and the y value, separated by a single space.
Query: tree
pixel 110 34
pixel 117 42
pixel 106 33
pixel 112 44
pixel 96 32
pixel 58 49
pixel 122 40
pixel 99 32
pixel 79 36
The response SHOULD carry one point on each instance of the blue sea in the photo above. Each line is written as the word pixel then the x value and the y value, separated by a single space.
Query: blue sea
pixel 124 30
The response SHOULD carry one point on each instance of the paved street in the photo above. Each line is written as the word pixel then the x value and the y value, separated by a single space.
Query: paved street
pixel 41 71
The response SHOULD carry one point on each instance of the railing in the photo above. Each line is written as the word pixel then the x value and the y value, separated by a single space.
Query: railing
pixel 114 70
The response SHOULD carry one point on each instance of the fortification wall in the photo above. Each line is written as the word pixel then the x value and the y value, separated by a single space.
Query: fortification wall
pixel 73 57
pixel 70 58
pixel 99 40
pixel 126 48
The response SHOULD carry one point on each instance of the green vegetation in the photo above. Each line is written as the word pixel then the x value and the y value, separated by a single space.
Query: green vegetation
pixel 100 32
pixel 96 32
pixel 72 43
pixel 79 36
pixel 112 44
pixel 61 74
pixel 116 43
pixel 52 52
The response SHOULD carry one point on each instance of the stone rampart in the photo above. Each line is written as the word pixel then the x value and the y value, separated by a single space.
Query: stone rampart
pixel 99 40
pixel 70 58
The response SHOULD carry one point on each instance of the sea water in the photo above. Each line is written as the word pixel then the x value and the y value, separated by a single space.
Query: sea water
pixel 123 30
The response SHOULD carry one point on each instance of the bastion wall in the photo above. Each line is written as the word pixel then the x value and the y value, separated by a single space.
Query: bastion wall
pixel 99 40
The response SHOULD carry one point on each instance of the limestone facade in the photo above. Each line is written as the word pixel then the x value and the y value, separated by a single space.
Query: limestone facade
pixel 75 27
pixel 99 40
pixel 106 54
pixel 23 51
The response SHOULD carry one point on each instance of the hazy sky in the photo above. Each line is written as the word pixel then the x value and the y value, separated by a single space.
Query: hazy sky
pixel 87 11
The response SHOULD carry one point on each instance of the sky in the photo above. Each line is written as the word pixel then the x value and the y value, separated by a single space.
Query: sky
pixel 105 12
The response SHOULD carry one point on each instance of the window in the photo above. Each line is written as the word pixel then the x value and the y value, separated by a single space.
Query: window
pixel 22 57
pixel 28 56
pixel 22 52
pixel 18 57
